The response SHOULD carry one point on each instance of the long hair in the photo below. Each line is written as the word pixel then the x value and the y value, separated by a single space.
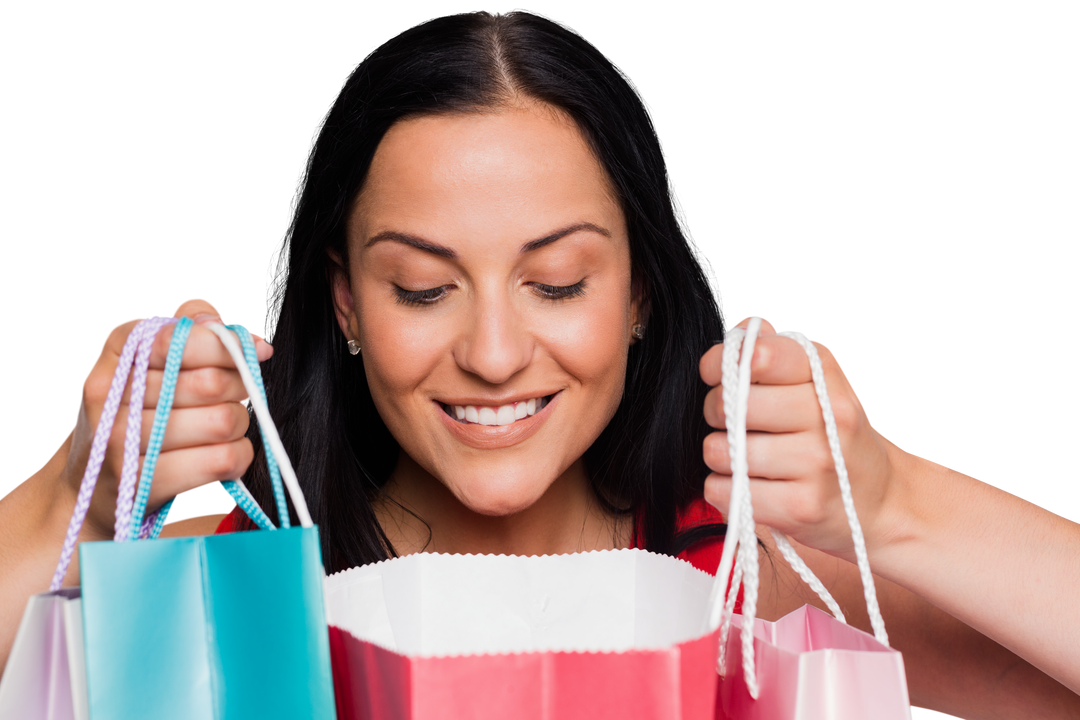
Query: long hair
pixel 648 461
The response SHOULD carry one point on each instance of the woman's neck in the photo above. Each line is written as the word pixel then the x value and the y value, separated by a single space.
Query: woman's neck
pixel 420 514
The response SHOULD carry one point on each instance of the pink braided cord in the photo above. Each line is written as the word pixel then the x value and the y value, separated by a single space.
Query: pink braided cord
pixel 97 452
pixel 129 475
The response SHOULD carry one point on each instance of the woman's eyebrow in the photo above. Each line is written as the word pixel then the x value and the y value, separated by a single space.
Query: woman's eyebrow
pixel 442 251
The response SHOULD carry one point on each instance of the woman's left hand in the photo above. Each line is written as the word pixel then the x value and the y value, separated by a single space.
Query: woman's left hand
pixel 792 477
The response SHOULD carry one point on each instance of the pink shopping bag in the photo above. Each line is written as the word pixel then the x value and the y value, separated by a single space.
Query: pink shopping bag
pixel 614 634
pixel 46 673
pixel 810 666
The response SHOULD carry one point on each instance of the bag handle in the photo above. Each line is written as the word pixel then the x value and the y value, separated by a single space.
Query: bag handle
pixel 97 451
pixel 243 356
pixel 140 341
pixel 151 527
pixel 269 430
pixel 741 547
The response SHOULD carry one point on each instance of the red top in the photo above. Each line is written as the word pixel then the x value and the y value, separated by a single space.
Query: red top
pixel 704 555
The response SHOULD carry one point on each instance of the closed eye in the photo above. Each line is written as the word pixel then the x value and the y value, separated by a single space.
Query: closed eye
pixel 433 295
pixel 562 293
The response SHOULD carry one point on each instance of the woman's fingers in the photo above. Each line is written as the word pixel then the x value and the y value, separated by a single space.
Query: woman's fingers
pixel 192 427
pixel 208 374
pixel 778 360
pixel 198 387
pixel 774 456
pixel 203 349
pixel 771 408
pixel 188 468
pixel 788 507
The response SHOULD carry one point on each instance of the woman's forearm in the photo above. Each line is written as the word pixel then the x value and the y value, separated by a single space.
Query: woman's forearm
pixel 1007 568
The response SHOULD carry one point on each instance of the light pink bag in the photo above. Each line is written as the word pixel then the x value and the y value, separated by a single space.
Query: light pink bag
pixel 807 665
pixel 45 676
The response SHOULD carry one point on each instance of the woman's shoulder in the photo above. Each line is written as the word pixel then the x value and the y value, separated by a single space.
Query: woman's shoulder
pixel 698 513
pixel 704 554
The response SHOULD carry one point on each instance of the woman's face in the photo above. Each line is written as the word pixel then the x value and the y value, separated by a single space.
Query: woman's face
pixel 489 288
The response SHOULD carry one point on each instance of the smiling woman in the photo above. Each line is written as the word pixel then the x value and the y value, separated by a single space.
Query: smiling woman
pixel 492 336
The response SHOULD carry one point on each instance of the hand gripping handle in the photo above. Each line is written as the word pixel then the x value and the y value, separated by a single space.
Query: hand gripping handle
pixel 740 547
pixel 131 506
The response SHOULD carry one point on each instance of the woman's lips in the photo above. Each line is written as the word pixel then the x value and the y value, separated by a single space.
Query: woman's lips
pixel 492 436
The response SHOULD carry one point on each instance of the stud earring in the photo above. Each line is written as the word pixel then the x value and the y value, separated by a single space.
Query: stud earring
pixel 638 331
pixel 354 347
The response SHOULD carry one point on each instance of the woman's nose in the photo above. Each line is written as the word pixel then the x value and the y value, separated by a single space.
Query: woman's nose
pixel 496 344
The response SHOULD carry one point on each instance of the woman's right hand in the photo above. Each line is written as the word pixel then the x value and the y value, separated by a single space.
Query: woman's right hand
pixel 204 440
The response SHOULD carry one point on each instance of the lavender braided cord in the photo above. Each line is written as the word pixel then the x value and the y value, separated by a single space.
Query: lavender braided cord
pixel 133 439
pixel 97 453
pixel 157 431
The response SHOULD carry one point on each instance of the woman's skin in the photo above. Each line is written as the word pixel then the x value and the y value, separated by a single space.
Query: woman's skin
pixel 450 218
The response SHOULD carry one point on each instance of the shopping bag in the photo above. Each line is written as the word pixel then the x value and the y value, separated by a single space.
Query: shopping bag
pixel 609 634
pixel 218 627
pixel 808 665
pixel 45 676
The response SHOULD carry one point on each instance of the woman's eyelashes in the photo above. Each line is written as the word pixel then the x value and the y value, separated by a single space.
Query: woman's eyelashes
pixel 433 295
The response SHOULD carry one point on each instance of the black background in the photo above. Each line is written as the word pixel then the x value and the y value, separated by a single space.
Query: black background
pixel 891 185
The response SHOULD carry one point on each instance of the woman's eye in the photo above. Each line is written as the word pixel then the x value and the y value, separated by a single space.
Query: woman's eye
pixel 560 292
pixel 420 297
pixel 432 295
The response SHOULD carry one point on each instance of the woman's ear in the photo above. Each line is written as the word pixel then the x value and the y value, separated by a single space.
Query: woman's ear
pixel 639 302
pixel 341 293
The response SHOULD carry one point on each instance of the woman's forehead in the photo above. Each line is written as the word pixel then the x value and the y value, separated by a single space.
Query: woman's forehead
pixel 527 169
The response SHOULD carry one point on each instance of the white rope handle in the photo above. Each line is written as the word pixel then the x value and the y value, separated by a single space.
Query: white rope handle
pixel 739 559
pixel 861 559
pixel 262 413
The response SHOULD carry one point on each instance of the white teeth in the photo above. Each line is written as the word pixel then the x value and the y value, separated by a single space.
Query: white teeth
pixel 502 415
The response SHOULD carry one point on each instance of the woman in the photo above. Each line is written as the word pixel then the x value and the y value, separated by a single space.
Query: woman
pixel 486 223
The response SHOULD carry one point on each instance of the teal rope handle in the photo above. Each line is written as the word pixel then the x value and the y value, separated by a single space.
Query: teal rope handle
pixel 252 358
pixel 247 503
pixel 157 431
pixel 157 435
pixel 159 521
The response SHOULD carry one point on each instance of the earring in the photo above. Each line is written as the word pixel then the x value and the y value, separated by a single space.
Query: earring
pixel 354 347
pixel 638 331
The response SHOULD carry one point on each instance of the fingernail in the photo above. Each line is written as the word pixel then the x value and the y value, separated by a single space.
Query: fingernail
pixel 203 318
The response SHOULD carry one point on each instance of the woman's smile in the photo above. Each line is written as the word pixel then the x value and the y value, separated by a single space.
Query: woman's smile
pixel 490 427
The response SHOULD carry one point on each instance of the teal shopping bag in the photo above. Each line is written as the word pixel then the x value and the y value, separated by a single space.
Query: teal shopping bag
pixel 229 626
pixel 222 627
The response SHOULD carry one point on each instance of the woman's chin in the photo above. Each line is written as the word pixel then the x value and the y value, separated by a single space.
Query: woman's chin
pixel 498 497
